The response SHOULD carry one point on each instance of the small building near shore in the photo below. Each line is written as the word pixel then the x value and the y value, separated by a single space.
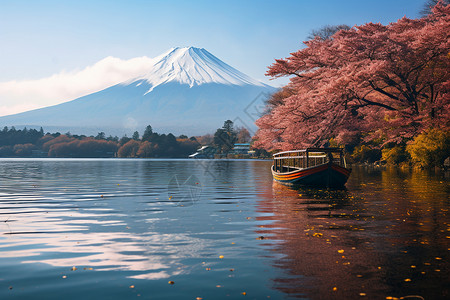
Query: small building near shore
pixel 241 148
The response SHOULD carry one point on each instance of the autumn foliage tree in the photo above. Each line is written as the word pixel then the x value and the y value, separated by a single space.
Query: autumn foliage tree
pixel 129 149
pixel 372 82
pixel 30 142
pixel 88 147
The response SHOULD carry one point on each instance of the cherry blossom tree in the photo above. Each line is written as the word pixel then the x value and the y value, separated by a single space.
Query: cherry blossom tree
pixel 384 82
pixel 429 4
pixel 327 31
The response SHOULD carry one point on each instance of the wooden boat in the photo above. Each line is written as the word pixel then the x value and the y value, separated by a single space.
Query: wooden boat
pixel 324 167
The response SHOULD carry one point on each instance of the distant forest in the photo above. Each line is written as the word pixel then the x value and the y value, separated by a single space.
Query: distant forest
pixel 34 143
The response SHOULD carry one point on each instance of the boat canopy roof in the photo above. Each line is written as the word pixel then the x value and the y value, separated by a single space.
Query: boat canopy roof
pixel 314 150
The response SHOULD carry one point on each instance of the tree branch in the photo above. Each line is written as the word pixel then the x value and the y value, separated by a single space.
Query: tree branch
pixel 375 88
pixel 368 102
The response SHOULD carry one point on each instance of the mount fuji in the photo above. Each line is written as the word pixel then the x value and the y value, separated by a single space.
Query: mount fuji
pixel 185 91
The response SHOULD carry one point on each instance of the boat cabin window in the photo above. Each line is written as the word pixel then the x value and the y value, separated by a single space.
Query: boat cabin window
pixel 289 161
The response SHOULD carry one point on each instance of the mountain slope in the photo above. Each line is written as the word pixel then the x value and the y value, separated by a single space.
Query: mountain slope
pixel 188 90
pixel 194 66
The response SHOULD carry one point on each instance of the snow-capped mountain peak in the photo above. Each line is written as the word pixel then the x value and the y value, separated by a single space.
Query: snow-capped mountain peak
pixel 183 91
pixel 193 66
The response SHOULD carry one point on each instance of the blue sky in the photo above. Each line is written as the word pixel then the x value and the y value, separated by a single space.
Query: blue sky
pixel 41 38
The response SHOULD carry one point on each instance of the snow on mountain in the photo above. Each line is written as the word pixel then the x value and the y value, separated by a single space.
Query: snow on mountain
pixel 187 91
pixel 194 66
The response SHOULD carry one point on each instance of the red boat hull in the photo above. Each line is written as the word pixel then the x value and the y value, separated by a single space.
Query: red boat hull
pixel 326 175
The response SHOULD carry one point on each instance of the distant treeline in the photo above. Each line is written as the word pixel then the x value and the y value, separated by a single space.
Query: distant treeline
pixel 34 143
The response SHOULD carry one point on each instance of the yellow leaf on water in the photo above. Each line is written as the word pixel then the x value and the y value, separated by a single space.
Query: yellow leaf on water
pixel 221 256
pixel 74 268
pixel 171 282
pixel 407 279
pixel 334 289
pixel 131 286
pixel 340 251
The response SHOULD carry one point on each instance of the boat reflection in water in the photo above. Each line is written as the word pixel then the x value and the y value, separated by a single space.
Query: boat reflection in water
pixel 386 236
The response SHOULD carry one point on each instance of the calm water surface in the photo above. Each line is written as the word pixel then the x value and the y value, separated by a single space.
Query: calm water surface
pixel 217 229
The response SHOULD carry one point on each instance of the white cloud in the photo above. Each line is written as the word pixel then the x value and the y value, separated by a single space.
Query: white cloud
pixel 19 96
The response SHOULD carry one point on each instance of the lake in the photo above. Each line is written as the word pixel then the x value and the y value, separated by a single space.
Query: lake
pixel 217 229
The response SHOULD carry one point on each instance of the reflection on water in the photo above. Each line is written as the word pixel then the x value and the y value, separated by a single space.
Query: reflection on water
pixel 387 235
pixel 117 229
